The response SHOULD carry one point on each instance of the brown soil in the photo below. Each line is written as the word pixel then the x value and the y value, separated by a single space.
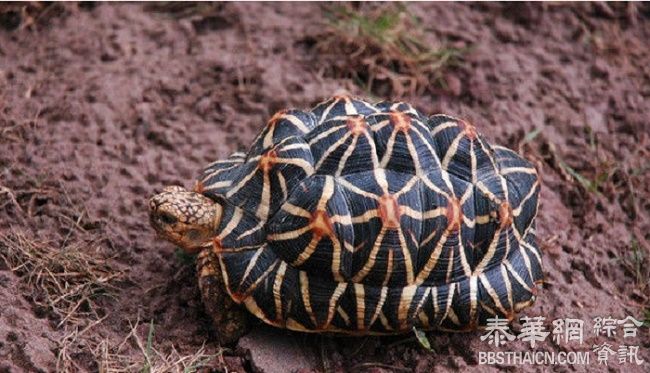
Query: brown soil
pixel 102 105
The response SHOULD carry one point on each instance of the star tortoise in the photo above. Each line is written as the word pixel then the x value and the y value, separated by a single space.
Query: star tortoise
pixel 360 218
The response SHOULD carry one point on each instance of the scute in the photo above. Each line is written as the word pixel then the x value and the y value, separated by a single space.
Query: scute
pixel 262 183
pixel 403 142
pixel 384 205
pixel 461 150
pixel 313 231
pixel 283 125
pixel 343 146
pixel 447 248
pixel 362 218
pixel 217 177
pixel 341 106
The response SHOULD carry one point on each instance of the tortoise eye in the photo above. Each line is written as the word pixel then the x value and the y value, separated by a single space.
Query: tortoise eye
pixel 167 218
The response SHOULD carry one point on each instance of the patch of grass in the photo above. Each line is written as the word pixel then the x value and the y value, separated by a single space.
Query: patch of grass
pixel 65 281
pixel 591 185
pixel 599 173
pixel 528 139
pixel 637 262
pixel 147 359
pixel 148 351
pixel 382 50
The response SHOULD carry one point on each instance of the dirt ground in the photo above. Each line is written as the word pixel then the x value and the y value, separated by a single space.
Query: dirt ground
pixel 100 105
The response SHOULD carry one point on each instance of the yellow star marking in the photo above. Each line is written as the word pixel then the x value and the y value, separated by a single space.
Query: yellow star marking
pixel 473 298
pixel 378 308
pixel 406 299
pixel 389 150
pixel 514 274
pixel 251 265
pixel 340 289
pixel 217 185
pixel 304 292
pixel 492 293
pixel 346 155
pixel 451 151
pixel 361 305
pixel 372 258
pixel 333 148
pixel 523 170
pixel 325 134
pixel 277 287
pixel 443 126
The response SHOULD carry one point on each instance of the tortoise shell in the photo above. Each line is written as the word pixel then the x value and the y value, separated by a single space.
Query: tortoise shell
pixel 372 218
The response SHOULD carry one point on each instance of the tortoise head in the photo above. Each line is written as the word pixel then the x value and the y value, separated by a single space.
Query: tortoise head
pixel 185 218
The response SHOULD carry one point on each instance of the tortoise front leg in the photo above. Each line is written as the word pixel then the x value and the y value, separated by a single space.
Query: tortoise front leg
pixel 229 318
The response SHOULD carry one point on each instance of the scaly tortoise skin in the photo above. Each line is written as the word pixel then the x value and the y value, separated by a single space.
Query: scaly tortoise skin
pixel 361 219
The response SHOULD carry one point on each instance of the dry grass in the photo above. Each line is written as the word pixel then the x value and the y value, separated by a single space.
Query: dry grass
pixel 65 282
pixel 134 353
pixel 68 347
pixel 10 199
pixel 383 50
pixel 65 278
pixel 116 359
